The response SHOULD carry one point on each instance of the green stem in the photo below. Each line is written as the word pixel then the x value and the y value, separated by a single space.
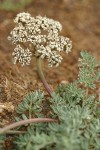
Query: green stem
pixel 87 91
pixel 23 122
pixel 41 75
pixel 14 132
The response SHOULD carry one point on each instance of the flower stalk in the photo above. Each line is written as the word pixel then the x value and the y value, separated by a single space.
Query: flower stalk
pixel 41 75
pixel 27 121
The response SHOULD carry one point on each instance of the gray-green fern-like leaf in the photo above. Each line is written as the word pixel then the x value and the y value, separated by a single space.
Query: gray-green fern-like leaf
pixel 71 93
pixel 31 104
pixel 88 72
pixel 34 140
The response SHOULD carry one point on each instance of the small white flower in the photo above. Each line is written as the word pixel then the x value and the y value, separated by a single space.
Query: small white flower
pixel 23 18
pixel 21 55
pixel 18 34
pixel 43 34
pixel 55 59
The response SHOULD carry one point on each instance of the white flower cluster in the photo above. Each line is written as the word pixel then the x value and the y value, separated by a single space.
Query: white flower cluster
pixel 43 34
pixel 23 55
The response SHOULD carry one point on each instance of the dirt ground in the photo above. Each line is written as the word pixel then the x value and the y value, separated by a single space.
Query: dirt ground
pixel 81 23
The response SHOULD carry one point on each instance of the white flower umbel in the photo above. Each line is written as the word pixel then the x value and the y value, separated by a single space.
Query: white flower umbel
pixel 41 36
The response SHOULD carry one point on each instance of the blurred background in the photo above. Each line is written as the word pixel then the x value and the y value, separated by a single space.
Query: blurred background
pixel 81 23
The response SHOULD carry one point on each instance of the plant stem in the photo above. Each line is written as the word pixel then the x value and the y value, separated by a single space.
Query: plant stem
pixel 41 75
pixel 87 91
pixel 13 131
pixel 23 122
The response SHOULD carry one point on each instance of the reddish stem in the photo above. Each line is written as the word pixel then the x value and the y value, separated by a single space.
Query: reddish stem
pixel 23 122
pixel 41 75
